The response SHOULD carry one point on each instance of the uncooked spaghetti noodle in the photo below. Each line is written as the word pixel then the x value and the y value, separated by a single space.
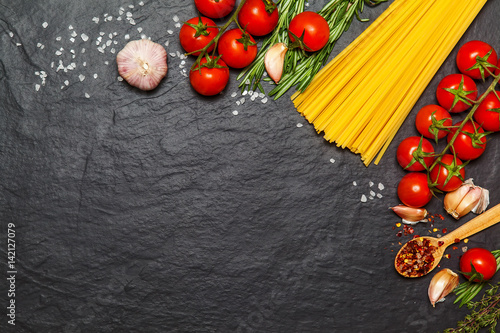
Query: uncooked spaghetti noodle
pixel 360 99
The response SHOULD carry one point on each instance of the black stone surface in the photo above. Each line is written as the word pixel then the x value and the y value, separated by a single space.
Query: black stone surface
pixel 166 212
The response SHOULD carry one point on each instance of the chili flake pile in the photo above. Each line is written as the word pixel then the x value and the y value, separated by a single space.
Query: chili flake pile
pixel 416 258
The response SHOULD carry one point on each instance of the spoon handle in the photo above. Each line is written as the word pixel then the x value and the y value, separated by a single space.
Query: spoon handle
pixel 477 224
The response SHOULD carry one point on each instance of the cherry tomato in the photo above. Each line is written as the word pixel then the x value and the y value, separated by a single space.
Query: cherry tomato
pixel 413 190
pixel 312 30
pixel 470 142
pixel 475 58
pixel 448 174
pixel 430 119
pixel 484 262
pixel 454 91
pixel 196 33
pixel 487 113
pixel 210 77
pixel 238 49
pixel 258 17
pixel 412 152
pixel 215 8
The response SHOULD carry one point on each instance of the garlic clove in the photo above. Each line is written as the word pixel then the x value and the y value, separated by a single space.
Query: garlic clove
pixel 468 197
pixel 469 201
pixel 452 199
pixel 274 61
pixel 483 203
pixel 410 215
pixel 142 63
pixel 441 285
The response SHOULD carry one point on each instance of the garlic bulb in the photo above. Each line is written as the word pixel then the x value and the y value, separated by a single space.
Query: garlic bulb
pixel 142 63
pixel 468 197
pixel 441 285
pixel 410 215
pixel 274 61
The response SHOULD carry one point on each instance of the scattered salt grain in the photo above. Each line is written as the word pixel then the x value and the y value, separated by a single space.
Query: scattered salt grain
pixel 141 3
pixel 58 38
pixel 175 18
pixel 95 19
pixel 170 32
pixel 112 50
pixel 371 184
pixel 127 36
pixel 58 53
pixel 72 40
pixel 106 62
pixel 45 25
pixel 129 14
pixel 354 183
pixel 81 77
pixel 299 125
pixel 108 43
pixel 233 94
pixel 11 34
pixel 242 100
pixel 119 78
pixel 381 186
pixel 264 100
pixel 83 50
pixel 95 76
pixel 130 6
pixel 37 87
pixel 87 95
pixel 66 82
pixel 332 160
pixel 84 64
pixel 379 195
pixel 235 112
pixel 84 37
pixel 139 29
pixel 372 194
pixel 70 27
pixel 74 34
pixel 177 25
pixel 363 198
pixel 172 54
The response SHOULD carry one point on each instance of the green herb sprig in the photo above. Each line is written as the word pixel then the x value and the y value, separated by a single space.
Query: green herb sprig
pixel 300 68
pixel 485 313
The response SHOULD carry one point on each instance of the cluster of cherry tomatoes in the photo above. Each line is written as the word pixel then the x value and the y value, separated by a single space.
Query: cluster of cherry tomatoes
pixel 476 60
pixel 237 47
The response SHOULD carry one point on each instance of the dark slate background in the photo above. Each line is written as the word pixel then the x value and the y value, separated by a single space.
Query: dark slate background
pixel 165 211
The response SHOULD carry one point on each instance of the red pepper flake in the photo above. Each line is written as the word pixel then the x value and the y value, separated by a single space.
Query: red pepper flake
pixel 440 216
pixel 400 233
pixel 447 256
pixel 440 243
pixel 455 248
pixel 444 230
pixel 457 240
pixel 416 258
pixel 415 236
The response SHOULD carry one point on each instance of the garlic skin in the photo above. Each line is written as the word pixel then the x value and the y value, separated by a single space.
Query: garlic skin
pixel 468 197
pixel 142 63
pixel 441 285
pixel 274 61
pixel 410 215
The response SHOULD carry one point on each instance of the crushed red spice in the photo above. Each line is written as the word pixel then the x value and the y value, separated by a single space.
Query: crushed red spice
pixel 416 258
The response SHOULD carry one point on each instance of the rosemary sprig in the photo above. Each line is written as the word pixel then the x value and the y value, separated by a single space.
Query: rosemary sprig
pixel 300 68
pixel 484 313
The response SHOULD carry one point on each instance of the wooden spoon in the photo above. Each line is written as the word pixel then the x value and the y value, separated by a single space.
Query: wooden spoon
pixel 437 246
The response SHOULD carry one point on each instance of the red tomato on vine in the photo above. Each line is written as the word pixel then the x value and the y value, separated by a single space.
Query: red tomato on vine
pixel 456 92
pixel 258 17
pixel 487 113
pixel 478 260
pixel 476 59
pixel 237 48
pixel 413 190
pixel 430 121
pixel 470 142
pixel 415 153
pixel 196 33
pixel 309 31
pixel 215 8
pixel 448 174
pixel 210 77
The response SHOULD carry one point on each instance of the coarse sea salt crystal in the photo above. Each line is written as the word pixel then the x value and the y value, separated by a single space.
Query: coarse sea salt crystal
pixel 119 78
pixel 81 77
pixel 264 100
pixel 141 3
pixel 233 94
pixel 127 36
pixel 58 38
pixel 70 27
pixel 72 40
pixel 95 76
pixel 58 52
pixel 363 198
pixel 372 193
pixel 371 184
pixel 175 18
pixel 380 186
pixel 11 34
pixel 87 95
pixel 37 87
pixel 95 19
pixel 379 195
pixel 45 25
pixel 235 112
pixel 66 82
pixel 74 34
pixel 354 183
pixel 299 125
pixel 332 160
pixel 170 32
pixel 84 37
pixel 139 29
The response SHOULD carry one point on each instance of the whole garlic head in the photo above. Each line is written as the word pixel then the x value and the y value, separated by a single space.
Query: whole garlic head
pixel 142 63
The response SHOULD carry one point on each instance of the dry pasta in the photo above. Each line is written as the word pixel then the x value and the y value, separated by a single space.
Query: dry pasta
pixel 360 99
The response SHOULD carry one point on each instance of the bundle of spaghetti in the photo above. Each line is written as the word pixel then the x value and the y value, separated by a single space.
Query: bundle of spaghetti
pixel 360 99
